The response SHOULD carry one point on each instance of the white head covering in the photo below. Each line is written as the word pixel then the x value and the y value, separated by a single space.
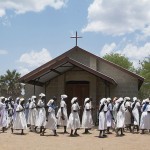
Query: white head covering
pixel 108 100
pixel 2 97
pixel 32 98
pixel 119 100
pixel 147 100
pixel 21 100
pixel 103 100
pixel 63 96
pixel 73 100
pixel 86 99
pixel 135 99
pixel 6 99
pixel 50 101
pixel 42 95
pixel 127 98
pixel 144 100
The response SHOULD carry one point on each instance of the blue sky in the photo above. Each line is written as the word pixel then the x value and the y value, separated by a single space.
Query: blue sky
pixel 34 32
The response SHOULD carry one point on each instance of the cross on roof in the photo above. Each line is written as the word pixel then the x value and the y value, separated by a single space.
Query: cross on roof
pixel 76 37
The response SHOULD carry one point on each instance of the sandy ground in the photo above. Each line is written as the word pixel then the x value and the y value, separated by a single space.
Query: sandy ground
pixel 33 141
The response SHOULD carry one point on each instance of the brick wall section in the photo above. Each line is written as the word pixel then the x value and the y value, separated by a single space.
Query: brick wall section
pixel 127 85
pixel 81 57
pixel 29 90
pixel 55 88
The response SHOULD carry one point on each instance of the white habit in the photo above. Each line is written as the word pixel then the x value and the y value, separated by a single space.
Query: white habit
pixel 87 121
pixel 52 121
pixel 59 113
pixel 74 120
pixel 102 115
pixel 20 120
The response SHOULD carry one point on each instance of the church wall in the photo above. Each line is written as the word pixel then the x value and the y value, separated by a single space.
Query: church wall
pixel 29 90
pixel 84 58
pixel 55 88
pixel 80 57
pixel 100 89
pixel 127 85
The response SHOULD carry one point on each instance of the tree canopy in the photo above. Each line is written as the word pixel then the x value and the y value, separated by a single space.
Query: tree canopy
pixel 144 71
pixel 9 83
pixel 120 60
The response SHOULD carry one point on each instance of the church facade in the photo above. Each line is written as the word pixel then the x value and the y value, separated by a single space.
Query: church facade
pixel 79 73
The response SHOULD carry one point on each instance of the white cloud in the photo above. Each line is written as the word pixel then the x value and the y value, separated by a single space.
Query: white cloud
pixel 23 70
pixel 5 21
pixel 23 6
pixel 144 34
pixel 3 52
pixel 33 59
pixel 2 12
pixel 118 17
pixel 133 52
pixel 108 49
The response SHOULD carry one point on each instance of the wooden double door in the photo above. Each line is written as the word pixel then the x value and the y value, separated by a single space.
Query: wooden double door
pixel 78 89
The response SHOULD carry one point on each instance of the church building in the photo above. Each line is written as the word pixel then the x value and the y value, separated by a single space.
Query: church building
pixel 79 73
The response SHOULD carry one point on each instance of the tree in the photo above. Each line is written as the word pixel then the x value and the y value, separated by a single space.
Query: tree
pixel 120 60
pixel 9 83
pixel 144 71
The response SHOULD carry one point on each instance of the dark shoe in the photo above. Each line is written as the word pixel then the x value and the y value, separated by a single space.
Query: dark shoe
pixel 56 135
pixel 42 134
pixel 76 134
pixel 12 130
pixel 71 135
pixel 65 132
pixel 100 137
pixel 109 132
pixel 122 134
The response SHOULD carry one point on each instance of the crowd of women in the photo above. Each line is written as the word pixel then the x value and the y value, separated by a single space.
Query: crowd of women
pixel 118 114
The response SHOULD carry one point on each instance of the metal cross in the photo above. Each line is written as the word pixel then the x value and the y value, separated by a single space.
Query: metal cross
pixel 76 37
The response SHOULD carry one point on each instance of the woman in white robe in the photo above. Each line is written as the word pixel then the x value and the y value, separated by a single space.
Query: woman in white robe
pixel 10 111
pixel 145 117
pixel 27 108
pixel 102 118
pixel 32 113
pixel 87 121
pixel 62 116
pixel 3 114
pixel 120 117
pixel 109 115
pixel 41 113
pixel 115 112
pixel 128 113
pixel 52 121
pixel 74 120
pixel 136 114
pixel 14 112
pixel 20 120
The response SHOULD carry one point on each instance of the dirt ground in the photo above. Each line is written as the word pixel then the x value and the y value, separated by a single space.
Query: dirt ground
pixel 33 141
